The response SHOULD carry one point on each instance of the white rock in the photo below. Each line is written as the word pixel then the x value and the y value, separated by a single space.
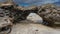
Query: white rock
pixel 35 18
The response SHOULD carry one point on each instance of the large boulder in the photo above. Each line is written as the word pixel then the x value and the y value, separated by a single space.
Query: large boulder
pixel 35 18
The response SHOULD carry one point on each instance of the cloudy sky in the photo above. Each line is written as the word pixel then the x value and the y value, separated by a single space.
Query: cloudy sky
pixel 34 2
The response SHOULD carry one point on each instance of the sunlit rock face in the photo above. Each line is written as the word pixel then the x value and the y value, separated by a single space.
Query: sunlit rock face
pixel 35 18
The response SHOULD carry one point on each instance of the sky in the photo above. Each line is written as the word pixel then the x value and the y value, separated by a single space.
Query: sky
pixel 34 2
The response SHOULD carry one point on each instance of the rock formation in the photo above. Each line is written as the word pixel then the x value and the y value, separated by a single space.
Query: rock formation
pixel 49 12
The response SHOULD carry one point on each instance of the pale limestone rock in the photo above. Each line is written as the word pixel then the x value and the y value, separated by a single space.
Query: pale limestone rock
pixel 35 18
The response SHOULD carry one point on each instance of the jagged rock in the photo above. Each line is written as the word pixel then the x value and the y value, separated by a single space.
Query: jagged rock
pixel 5 23
pixel 50 13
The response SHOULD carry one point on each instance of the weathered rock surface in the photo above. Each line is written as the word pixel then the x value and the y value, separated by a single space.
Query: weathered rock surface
pixel 50 13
